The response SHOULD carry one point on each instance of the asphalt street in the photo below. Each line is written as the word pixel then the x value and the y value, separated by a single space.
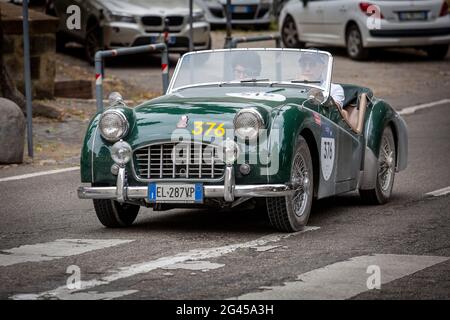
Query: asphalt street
pixel 46 232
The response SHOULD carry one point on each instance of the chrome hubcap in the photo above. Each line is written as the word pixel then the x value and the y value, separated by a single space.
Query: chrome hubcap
pixel 301 184
pixel 354 42
pixel 386 165
pixel 290 34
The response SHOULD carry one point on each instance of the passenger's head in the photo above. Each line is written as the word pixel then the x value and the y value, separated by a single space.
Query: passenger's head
pixel 246 64
pixel 312 66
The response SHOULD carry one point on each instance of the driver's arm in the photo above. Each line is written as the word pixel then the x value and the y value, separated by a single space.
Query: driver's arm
pixel 337 93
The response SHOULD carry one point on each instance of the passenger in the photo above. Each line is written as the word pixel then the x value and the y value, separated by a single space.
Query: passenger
pixel 313 68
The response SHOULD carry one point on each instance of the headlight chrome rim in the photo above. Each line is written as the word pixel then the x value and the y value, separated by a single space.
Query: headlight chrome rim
pixel 259 121
pixel 124 121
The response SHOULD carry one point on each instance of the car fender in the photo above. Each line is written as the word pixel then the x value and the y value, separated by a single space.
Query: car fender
pixel 381 115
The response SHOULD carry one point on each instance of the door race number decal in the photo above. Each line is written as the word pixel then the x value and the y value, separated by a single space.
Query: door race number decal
pixel 327 153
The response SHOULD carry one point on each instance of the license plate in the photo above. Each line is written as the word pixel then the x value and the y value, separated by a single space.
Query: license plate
pixel 413 15
pixel 159 39
pixel 241 9
pixel 175 192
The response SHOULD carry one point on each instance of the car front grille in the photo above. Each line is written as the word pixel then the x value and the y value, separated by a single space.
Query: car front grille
pixel 152 21
pixel 178 161
pixel 175 21
pixel 157 21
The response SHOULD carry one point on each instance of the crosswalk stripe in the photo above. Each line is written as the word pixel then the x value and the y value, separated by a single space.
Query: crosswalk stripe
pixel 346 279
pixel 54 250
pixel 63 292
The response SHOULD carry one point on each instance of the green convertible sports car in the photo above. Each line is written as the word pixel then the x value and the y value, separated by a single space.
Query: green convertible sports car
pixel 243 127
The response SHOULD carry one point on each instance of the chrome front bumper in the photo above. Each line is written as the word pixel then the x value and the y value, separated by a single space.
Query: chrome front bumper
pixel 228 191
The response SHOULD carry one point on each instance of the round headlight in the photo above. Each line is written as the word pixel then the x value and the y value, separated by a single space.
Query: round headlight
pixel 113 125
pixel 121 152
pixel 247 124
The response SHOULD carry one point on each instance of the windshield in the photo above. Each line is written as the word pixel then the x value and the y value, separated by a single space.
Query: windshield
pixel 240 66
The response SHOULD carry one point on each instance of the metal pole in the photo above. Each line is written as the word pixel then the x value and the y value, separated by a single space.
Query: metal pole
pixel 99 80
pixel 165 69
pixel 228 13
pixel 100 55
pixel 27 77
pixel 191 29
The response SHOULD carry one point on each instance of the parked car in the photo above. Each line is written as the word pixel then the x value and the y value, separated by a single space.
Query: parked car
pixel 243 12
pixel 360 26
pixel 112 24
pixel 240 125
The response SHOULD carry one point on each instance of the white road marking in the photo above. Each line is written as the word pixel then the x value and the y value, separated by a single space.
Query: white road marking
pixel 91 295
pixel 346 279
pixel 63 292
pixel 37 174
pixel 413 109
pixel 54 250
pixel 265 248
pixel 440 192
pixel 195 265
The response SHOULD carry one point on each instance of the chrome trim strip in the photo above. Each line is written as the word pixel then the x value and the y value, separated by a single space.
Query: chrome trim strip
pixel 92 153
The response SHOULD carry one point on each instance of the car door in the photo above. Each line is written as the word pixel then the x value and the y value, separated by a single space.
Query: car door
pixel 348 151
pixel 309 18
pixel 335 14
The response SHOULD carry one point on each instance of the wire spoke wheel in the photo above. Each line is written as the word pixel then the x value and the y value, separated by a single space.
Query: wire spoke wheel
pixel 291 213
pixel 386 164
pixel 385 171
pixel 300 180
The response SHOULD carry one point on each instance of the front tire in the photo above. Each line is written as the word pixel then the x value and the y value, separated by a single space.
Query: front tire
pixel 385 171
pixel 113 214
pixel 355 49
pixel 291 213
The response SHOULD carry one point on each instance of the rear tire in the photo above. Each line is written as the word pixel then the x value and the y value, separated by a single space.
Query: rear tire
pixel 438 52
pixel 355 49
pixel 289 34
pixel 113 214
pixel 291 213
pixel 385 171
pixel 93 42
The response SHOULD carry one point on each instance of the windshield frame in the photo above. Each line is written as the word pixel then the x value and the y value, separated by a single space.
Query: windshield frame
pixel 326 91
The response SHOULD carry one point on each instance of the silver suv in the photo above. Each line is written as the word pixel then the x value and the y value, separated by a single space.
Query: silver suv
pixel 112 24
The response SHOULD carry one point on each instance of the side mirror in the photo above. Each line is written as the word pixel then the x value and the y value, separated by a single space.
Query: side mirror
pixel 305 2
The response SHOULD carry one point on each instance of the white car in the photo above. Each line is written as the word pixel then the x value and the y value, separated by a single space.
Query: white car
pixel 359 25
pixel 243 12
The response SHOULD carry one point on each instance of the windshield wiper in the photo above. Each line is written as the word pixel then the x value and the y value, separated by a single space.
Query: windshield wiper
pixel 306 81
pixel 253 80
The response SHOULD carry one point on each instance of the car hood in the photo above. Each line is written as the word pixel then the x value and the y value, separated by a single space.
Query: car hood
pixel 157 120
pixel 149 7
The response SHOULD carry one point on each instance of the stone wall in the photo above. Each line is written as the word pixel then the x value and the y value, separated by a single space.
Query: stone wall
pixel 42 49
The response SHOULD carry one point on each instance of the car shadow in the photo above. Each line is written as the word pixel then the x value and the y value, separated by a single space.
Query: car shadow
pixel 205 220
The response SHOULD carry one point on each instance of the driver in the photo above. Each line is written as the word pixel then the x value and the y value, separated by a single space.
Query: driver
pixel 312 68
pixel 247 64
